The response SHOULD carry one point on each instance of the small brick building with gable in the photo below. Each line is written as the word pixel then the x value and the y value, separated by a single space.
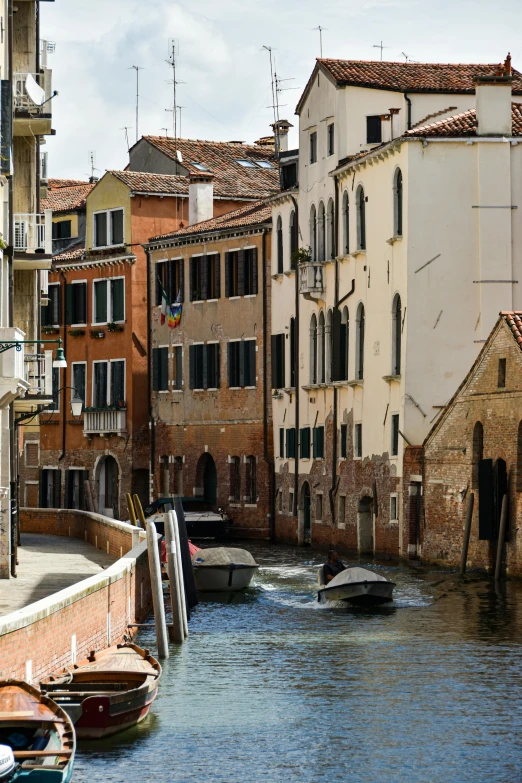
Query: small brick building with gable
pixel 476 446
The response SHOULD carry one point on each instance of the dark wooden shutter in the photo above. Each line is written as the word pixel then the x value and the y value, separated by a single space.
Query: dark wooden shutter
pixel 336 346
pixel 374 129
pixel 218 365
pixel 117 382
pixel 344 432
pixel 242 362
pixel 273 357
pixel 230 361
pixel 80 303
pixel 170 280
pixel 204 276
pixel 227 274
pixel 45 316
pixel 217 262
pixel 486 500
pixel 251 363
pixel 192 273
pixel 192 366
pixel 100 314
pixel 57 488
pixel 179 367
pixel 281 359
pixel 254 271
pixel 241 273
pixel 281 442
pixel 204 351
pixel 69 304
pixel 181 275
pixel 118 299
pixel 42 499
pixel 343 352
pixel 155 369
pixel 163 369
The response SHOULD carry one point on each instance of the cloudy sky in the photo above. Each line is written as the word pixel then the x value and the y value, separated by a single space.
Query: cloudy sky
pixel 225 71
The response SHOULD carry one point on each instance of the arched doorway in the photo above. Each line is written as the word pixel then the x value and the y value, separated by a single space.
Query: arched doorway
pixel 108 489
pixel 206 480
pixel 305 508
pixel 365 526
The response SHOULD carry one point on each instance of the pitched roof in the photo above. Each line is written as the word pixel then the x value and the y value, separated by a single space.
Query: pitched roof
pixel 513 319
pixel 249 215
pixel 464 124
pixel 72 253
pixel 221 158
pixel 142 182
pixel 65 198
pixel 65 183
pixel 407 77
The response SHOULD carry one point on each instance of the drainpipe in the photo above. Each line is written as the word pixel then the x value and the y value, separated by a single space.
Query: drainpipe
pixel 149 368
pixel 266 384
pixel 408 101
pixel 64 424
pixel 333 487
pixel 296 373
pixel 14 504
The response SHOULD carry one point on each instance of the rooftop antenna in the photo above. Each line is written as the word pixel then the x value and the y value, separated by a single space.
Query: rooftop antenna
pixel 320 37
pixel 380 46
pixel 179 109
pixel 92 161
pixel 172 62
pixel 126 128
pixel 274 99
pixel 166 131
pixel 407 58
pixel 137 68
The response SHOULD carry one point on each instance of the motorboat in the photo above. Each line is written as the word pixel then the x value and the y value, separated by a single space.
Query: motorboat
pixel 37 738
pixel 223 569
pixel 357 586
pixel 108 692
pixel 200 522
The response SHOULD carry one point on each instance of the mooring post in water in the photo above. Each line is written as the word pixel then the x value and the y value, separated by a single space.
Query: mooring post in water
pixel 176 631
pixel 157 591
pixel 467 533
pixel 179 571
pixel 501 538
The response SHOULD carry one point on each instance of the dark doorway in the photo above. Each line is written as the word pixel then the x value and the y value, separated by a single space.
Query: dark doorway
pixel 210 482
pixel 365 526
pixel 108 489
pixel 307 514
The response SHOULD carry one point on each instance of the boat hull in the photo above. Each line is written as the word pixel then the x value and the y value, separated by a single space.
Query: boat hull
pixel 223 579
pixel 359 593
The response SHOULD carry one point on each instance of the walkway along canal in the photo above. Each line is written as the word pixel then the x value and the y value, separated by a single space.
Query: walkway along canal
pixel 272 687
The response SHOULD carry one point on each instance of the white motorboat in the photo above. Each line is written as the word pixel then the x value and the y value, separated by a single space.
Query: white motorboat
pixel 223 569
pixel 355 586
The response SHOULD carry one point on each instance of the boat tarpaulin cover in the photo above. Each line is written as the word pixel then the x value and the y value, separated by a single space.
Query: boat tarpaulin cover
pixel 223 556
pixel 351 575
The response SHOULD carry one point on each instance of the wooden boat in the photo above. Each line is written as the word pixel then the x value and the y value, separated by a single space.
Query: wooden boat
pixel 108 692
pixel 223 569
pixel 356 586
pixel 37 739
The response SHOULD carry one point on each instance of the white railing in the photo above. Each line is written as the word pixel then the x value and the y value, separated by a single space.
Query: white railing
pixel 13 382
pixel 311 278
pixel 33 232
pixel 38 373
pixel 24 96
pixel 104 421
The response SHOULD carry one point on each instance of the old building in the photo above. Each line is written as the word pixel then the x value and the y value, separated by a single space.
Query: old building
pixel 211 409
pixel 476 446
pixel 66 200
pixel 393 287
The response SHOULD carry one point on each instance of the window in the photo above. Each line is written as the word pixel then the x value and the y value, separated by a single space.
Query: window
pixel 241 272
pixel 109 300
pixel 478 453
pixel 250 271
pixel 318 443
pixel 361 219
pixel 342 509
pixel 100 387
pixel 281 442
pixel 52 312
pixel 241 359
pixel 290 443
pixel 235 480
pixel 278 361
pixel 395 434
pixel 108 383
pixel 62 229
pixel 250 480
pixel 32 454
pixel 177 381
pixel 264 164
pixel 357 446
pixel 205 277
pixel 330 370
pixel 291 502
pixel 397 204
pixel 204 361
pixel 170 277
pixel 280 500
pixel 344 441
pixel 393 508
pixel 331 139
pixel 313 350
pixel 359 370
pixel 55 406
pixel 321 353
pixel 247 164
pixel 178 476
pixel 50 488
pixel 279 239
pixel 160 369
pixel 75 488
pixel 292 353
pixel 342 342
pixel 76 303
pixel 79 381
pixel 396 335
pixel 164 477
pixel 117 370
pixel 304 443
pixel 330 230
pixel 319 506
pixel 346 223
pixel 501 374
pixel 313 232
pixel 108 228
pixel 198 166
pixel 313 147
pixel 289 175
pixel 373 129
pixel 321 234
pixel 294 238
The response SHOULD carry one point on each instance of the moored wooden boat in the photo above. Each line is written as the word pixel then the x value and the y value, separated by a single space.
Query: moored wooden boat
pixel 108 692
pixel 357 586
pixel 223 569
pixel 37 738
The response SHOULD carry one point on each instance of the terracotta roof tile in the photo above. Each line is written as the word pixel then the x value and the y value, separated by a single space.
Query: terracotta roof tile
pixel 249 215
pixel 220 158
pixel 65 183
pixel 465 124
pixel 72 253
pixel 142 182
pixel 514 321
pixel 66 198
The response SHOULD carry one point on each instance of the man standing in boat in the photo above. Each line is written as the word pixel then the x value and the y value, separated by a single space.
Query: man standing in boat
pixel 332 567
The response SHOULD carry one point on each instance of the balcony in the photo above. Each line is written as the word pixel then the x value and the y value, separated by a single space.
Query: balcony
pixel 13 382
pixel 39 378
pixel 32 93
pixel 312 279
pixel 105 422
pixel 33 240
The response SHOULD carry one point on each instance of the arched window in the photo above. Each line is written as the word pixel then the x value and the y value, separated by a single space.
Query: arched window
pixel 235 480
pixel 250 480
pixel 279 233
pixel 397 203
pixel 321 354
pixel 396 335
pixel 478 452
pixel 328 348
pixel 294 237
pixel 346 223
pixel 361 219
pixel 343 345
pixel 313 350
pixel 321 250
pixel 330 230
pixel 359 369
pixel 313 232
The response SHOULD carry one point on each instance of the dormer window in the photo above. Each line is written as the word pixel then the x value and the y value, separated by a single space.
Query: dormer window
pixel 199 166
pixel 108 228
pixel 264 164
pixel 248 164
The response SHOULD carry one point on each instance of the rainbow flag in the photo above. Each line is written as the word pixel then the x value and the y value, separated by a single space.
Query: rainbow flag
pixel 175 311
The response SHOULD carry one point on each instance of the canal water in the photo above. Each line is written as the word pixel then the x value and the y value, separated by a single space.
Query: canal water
pixel 272 687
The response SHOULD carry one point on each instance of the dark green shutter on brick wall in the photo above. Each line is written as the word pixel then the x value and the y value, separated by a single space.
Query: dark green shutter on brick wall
pixel 304 443
pixel 100 299
pixel 241 273
pixel 69 293
pixel 118 299
pixel 155 370
pixel 254 270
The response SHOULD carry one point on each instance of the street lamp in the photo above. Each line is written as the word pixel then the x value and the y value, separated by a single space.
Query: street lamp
pixel 76 405
pixel 59 362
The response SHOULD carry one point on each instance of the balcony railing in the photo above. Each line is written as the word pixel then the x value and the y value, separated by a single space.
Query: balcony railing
pixel 38 374
pixel 13 382
pixel 104 422
pixel 32 92
pixel 33 232
pixel 311 279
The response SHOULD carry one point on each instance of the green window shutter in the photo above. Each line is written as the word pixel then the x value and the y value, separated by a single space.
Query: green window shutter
pixel 203 265
pixel 254 270
pixel 336 373
pixel 314 443
pixel 344 432
pixel 230 364
pixel 79 315
pixel 304 443
pixel 118 299
pixel 155 369
pixel 242 362
pixel 250 363
pixel 281 442
pixel 45 320
pixel 273 356
pixel 179 367
pixel 181 275
pixel 159 280
pixel 117 382
pixel 163 369
pixel 241 273
pixel 100 302
pixel 217 350
pixel 69 304
pixel 227 274
pixel 217 262
pixel 192 366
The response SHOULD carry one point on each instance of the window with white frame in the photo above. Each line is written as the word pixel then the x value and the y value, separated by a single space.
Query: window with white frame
pixel 76 303
pixel 55 405
pixel 241 359
pixel 51 313
pixel 108 383
pixel 108 300
pixel 108 228
pixel 79 381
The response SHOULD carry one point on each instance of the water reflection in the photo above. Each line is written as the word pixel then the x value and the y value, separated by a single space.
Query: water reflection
pixel 273 687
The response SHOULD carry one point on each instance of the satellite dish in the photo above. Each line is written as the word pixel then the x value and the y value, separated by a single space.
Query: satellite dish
pixel 179 156
pixel 34 91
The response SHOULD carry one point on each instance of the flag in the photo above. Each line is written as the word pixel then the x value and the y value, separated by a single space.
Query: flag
pixel 175 312
pixel 165 304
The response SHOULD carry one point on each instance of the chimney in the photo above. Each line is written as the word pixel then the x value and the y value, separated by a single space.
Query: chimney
pixel 201 198
pixel 493 101
pixel 281 128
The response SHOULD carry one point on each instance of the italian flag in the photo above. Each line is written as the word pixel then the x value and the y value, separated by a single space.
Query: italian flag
pixel 165 305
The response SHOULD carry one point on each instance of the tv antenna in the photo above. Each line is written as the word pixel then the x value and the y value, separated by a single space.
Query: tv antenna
pixel 407 58
pixel 320 37
pixel 275 99
pixel 179 109
pixel 166 131
pixel 92 161
pixel 172 62
pixel 380 46
pixel 126 128
pixel 137 68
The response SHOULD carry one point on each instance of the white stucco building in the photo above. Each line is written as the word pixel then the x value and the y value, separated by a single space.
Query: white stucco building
pixel 409 181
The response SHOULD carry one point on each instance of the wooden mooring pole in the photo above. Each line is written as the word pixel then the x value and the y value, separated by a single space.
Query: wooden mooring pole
pixel 467 533
pixel 176 630
pixel 501 538
pixel 157 591
pixel 179 572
